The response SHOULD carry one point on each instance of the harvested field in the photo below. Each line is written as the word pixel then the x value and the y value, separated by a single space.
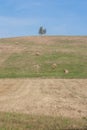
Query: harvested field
pixel 43 83
pixel 53 97
pixel 20 56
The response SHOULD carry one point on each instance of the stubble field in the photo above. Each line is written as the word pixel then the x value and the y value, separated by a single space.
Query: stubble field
pixel 34 82
pixel 44 96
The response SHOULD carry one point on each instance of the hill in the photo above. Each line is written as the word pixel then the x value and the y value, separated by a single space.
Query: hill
pixel 43 83
pixel 44 56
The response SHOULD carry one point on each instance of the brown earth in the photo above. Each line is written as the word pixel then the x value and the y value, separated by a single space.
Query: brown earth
pixel 56 97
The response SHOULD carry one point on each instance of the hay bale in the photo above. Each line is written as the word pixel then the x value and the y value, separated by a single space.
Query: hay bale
pixel 37 53
pixel 37 67
pixel 54 65
pixel 16 42
pixel 66 71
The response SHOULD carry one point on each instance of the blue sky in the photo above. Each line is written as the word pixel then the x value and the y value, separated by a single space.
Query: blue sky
pixel 59 17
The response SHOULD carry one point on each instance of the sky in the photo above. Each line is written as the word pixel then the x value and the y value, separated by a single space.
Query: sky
pixel 59 17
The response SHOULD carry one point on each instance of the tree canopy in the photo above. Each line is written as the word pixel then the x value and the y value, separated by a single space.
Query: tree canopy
pixel 42 30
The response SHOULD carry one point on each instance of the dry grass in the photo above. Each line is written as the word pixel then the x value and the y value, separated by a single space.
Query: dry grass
pixel 49 56
pixel 54 97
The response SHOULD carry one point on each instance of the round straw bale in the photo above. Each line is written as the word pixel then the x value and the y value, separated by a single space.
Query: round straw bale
pixel 54 65
pixel 66 71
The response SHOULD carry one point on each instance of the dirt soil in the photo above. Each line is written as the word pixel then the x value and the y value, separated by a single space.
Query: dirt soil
pixel 56 97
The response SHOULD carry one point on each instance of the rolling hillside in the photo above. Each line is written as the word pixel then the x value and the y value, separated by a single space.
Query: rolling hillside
pixel 43 83
pixel 43 56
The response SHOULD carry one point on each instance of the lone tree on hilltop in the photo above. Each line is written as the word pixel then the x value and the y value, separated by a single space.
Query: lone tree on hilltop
pixel 42 30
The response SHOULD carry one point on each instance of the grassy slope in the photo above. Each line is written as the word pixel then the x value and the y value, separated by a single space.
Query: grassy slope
pixel 18 57
pixel 10 121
